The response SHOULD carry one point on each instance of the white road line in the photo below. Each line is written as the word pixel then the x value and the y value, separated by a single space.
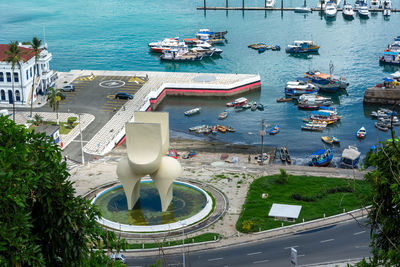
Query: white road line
pixel 328 240
pixel 291 247
pixel 302 255
pixel 256 262
pixel 254 253
pixel 216 259
pixel 359 233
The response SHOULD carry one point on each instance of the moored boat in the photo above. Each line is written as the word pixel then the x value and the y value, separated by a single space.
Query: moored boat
pixel 180 55
pixel 348 12
pixel 274 130
pixel 361 133
pixel 223 115
pixel 327 139
pixel 363 12
pixel 282 154
pixel 330 9
pixel 321 158
pixel 302 47
pixel 214 129
pixel 335 140
pixel 253 106
pixel 288 158
pixel 326 82
pixel 260 107
pixel 302 9
pixel 269 3
pixel 312 127
pixel 350 157
pixel 221 128
pixel 192 111
pixel 230 129
pixel 284 99
pixel 238 102
pixel 195 128
pixel 382 126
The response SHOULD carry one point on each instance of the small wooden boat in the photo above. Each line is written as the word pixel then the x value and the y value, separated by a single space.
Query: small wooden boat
pixel 335 140
pixel 223 115
pixel 230 129
pixel 327 139
pixel 310 127
pixel 288 158
pixel 253 106
pixel 284 99
pixel 274 130
pixel 192 112
pixel 381 126
pixel 321 158
pixel 350 157
pixel 238 102
pixel 221 128
pixel 283 154
pixel 195 128
pixel 361 133
pixel 214 129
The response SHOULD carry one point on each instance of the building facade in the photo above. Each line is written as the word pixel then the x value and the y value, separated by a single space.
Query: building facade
pixel 23 75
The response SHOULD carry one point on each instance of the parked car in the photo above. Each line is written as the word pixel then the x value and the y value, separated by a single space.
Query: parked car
pixel 117 257
pixel 68 88
pixel 123 95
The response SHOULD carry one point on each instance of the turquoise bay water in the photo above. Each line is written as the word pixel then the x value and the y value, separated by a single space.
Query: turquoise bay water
pixel 113 35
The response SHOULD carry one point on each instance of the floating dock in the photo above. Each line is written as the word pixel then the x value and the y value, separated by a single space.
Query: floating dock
pixel 316 9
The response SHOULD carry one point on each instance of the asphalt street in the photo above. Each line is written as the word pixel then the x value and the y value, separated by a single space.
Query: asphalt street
pixel 337 242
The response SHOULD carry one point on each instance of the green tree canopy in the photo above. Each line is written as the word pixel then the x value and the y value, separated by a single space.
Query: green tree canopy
pixel 42 222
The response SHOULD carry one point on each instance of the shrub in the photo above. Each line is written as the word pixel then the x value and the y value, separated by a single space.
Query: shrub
pixel 344 189
pixel 283 178
pixel 71 120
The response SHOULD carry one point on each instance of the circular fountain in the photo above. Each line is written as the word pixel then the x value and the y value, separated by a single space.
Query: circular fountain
pixel 190 204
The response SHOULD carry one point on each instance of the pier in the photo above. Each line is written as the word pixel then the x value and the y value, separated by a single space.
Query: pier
pixel 382 95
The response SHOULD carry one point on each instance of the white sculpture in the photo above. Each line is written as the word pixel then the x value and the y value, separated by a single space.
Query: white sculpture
pixel 147 142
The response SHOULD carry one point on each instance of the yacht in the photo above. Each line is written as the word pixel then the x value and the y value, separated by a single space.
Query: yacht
pixel 387 5
pixel 330 9
pixel 269 3
pixel 359 3
pixel 348 12
pixel 363 12
pixel 375 5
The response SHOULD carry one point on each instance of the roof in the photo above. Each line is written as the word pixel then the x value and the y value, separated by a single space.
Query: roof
pixel 351 153
pixel 286 211
pixel 26 53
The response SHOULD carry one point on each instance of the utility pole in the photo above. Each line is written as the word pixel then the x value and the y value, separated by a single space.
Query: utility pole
pixel 262 133
pixel 80 130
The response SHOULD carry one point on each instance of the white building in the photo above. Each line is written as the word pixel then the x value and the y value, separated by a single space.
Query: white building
pixel 23 77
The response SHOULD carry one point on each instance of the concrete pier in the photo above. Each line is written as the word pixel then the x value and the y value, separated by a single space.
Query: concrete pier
pixel 275 8
pixel 382 95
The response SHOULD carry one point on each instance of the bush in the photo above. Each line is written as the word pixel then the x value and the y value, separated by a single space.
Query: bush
pixel 283 178
pixel 344 189
pixel 71 120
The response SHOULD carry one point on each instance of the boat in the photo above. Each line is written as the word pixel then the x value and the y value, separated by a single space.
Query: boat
pixel 284 99
pixel 299 87
pixel 387 8
pixel 288 158
pixel 310 104
pixel 274 130
pixel 302 47
pixel 166 44
pixel 257 45
pixel 246 106
pixel 311 127
pixel 321 158
pixel 330 9
pixel 321 4
pixel 253 106
pixel 359 3
pixel 180 55
pixel 223 115
pixel 382 126
pixel 282 154
pixel 361 133
pixel 192 111
pixel 192 153
pixel 260 107
pixel 350 157
pixel 238 102
pixel 314 97
pixel 390 58
pixel 230 129
pixel 363 11
pixel 327 139
pixel 173 154
pixel 335 140
pixel 195 128
pixel 269 3
pixel 326 82
pixel 375 5
pixel 221 128
pixel 302 9
pixel 206 34
pixel 325 116
pixel 348 12
pixel 214 129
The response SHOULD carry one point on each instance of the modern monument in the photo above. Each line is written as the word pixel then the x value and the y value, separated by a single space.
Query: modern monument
pixel 147 143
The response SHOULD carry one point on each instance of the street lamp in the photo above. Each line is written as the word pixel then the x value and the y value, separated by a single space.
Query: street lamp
pixel 80 131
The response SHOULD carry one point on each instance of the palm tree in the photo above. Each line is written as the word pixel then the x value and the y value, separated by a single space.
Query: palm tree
pixel 35 44
pixel 14 57
pixel 54 97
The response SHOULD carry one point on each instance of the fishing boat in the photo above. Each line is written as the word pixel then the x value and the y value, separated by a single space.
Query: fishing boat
pixel 288 158
pixel 363 11
pixel 166 44
pixel 180 55
pixel 382 126
pixel 350 157
pixel 359 3
pixel 284 99
pixel 246 106
pixel 221 128
pixel 361 133
pixel 314 97
pixel 321 158
pixel 348 12
pixel 390 58
pixel 238 102
pixel 214 129
pixel 312 127
pixel 260 107
pixel 192 111
pixel 327 139
pixel 223 115
pixel 299 87
pixel 274 130
pixel 195 128
pixel 282 154
pixel 326 82
pixel 269 3
pixel 335 140
pixel 312 104
pixel 253 106
pixel 257 45
pixel 330 9
pixel 324 116
pixel 230 129
pixel 302 47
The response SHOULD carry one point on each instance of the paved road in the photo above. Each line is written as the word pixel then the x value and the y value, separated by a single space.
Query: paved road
pixel 337 242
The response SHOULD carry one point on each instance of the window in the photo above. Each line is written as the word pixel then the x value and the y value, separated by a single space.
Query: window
pixel 31 71
pixel 16 79
pixel 8 77
pixel 17 96
pixel 1 77
pixel 3 93
pixel 27 75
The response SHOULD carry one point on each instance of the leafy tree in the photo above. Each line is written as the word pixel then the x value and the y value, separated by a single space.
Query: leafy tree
pixel 14 57
pixel 42 222
pixel 54 98
pixel 37 119
pixel 384 216
pixel 35 44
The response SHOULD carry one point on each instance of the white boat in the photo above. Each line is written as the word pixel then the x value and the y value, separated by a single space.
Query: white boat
pixel 166 44
pixel 238 102
pixel 269 3
pixel 350 157
pixel 330 9
pixel 323 3
pixel 361 133
pixel 363 12
pixel 387 6
pixel 375 5
pixel 302 10
pixel 314 98
pixel 348 12
pixel 359 3
pixel 299 86
pixel 192 111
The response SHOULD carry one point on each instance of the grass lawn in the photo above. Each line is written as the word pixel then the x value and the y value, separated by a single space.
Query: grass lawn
pixel 255 211
pixel 197 239
pixel 64 127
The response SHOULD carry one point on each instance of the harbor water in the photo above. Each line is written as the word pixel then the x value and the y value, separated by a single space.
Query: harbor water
pixel 113 35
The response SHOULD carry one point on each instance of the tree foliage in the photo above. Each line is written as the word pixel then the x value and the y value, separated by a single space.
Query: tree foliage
pixel 54 98
pixel 14 57
pixel 384 216
pixel 42 222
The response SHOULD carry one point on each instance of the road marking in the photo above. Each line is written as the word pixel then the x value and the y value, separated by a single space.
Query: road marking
pixel 254 253
pixel 361 246
pixel 302 255
pixel 359 233
pixel 328 240
pixel 216 259
pixel 291 247
pixel 256 262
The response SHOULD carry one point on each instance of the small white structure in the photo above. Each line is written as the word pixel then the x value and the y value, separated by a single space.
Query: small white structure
pixel 23 77
pixel 147 143
pixel 284 212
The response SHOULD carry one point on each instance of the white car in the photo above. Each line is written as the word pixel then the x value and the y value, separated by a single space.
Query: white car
pixel 117 257
pixel 68 88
